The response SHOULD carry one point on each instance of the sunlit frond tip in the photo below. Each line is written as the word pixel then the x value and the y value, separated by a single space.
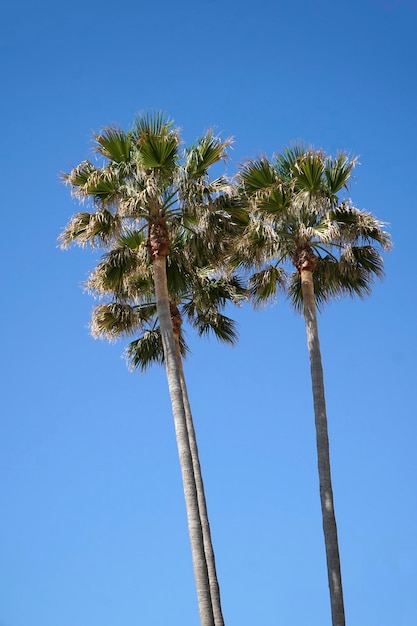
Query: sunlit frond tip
pixel 95 229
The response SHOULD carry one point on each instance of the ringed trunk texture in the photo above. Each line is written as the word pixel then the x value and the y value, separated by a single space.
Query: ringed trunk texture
pixel 202 504
pixel 323 453
pixel 187 470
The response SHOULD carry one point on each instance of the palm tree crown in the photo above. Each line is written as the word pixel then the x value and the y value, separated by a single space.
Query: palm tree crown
pixel 147 180
pixel 299 220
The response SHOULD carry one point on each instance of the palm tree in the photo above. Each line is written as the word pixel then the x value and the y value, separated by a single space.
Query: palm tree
pixel 298 220
pixel 146 184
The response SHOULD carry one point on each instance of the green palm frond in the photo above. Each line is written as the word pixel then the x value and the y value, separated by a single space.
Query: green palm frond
pixel 132 238
pixel 155 123
pixel 264 285
pixel 285 162
pixel 159 152
pixel 156 141
pixel 356 225
pixel 258 175
pixel 147 350
pixel 207 151
pixel 264 187
pixel 101 186
pixel 146 312
pixel 196 241
pixel 221 290
pixel 294 292
pixel 259 244
pixel 276 201
pixel 215 238
pixel 309 170
pixel 109 321
pixel 202 250
pixel 178 275
pixel 98 184
pixel 338 172
pixel 365 259
pixel 114 144
pixel 206 292
pixel 80 175
pixel 335 279
pixel 207 297
pixel 112 273
pixel 211 321
pixel 95 229
pixel 231 211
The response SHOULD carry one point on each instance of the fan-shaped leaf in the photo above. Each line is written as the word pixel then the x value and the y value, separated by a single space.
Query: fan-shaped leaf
pixel 114 144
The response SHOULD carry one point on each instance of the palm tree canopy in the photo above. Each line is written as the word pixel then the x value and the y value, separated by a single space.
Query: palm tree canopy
pixel 143 175
pixel 299 220
pixel 145 180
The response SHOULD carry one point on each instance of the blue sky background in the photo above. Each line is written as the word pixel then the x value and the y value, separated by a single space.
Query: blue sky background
pixel 93 527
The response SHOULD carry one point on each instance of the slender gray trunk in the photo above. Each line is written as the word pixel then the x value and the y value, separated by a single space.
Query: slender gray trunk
pixel 202 504
pixel 187 470
pixel 323 453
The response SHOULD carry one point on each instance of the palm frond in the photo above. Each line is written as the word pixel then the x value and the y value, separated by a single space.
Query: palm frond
pixel 365 259
pixel 159 152
pixel 264 285
pixel 147 350
pixel 207 151
pixel 114 144
pixel 109 321
pixel 211 321
pixel 258 245
pixel 338 172
pixel 112 273
pixel 208 293
pixel 146 312
pixel 131 238
pixel 257 175
pixel 217 186
pixel 95 229
pixel 356 225
pixel 231 210
pixel 80 175
pixel 179 274
pixel 309 171
pixel 156 142
pixel 285 161
pixel 151 123
pixel 102 186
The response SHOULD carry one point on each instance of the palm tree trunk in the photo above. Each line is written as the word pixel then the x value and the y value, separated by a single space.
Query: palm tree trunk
pixel 187 470
pixel 202 504
pixel 323 453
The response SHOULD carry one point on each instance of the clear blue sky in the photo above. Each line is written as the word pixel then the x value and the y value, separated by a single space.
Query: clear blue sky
pixel 93 527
